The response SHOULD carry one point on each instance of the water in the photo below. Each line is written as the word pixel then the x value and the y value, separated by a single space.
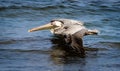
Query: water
pixel 23 51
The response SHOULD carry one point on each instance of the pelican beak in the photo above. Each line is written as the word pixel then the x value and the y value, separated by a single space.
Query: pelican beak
pixel 43 27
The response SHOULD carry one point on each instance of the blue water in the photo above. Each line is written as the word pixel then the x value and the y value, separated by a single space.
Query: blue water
pixel 23 51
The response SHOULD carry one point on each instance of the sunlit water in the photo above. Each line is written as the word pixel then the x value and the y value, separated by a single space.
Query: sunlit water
pixel 23 51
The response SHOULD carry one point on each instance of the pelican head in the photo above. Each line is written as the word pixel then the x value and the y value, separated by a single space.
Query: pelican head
pixel 53 25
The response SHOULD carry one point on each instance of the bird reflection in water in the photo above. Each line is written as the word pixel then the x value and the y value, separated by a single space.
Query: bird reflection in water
pixel 63 53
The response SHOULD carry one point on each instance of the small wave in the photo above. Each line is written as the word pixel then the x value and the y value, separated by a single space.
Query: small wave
pixel 27 39
pixel 112 44
pixel 112 9
pixel 23 50
pixel 103 46
pixel 112 65
pixel 33 7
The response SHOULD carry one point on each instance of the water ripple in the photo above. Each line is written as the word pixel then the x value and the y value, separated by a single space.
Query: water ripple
pixel 23 40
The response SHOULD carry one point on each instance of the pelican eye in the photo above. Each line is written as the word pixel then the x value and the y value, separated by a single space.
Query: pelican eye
pixel 66 27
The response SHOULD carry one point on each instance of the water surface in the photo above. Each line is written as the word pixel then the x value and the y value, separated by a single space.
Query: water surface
pixel 23 51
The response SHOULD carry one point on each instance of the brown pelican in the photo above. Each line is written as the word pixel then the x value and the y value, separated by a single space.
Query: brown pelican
pixel 71 30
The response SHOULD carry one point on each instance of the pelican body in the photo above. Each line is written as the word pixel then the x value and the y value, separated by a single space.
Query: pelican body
pixel 71 30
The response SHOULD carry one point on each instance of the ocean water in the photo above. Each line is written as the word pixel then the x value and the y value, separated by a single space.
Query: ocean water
pixel 23 51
